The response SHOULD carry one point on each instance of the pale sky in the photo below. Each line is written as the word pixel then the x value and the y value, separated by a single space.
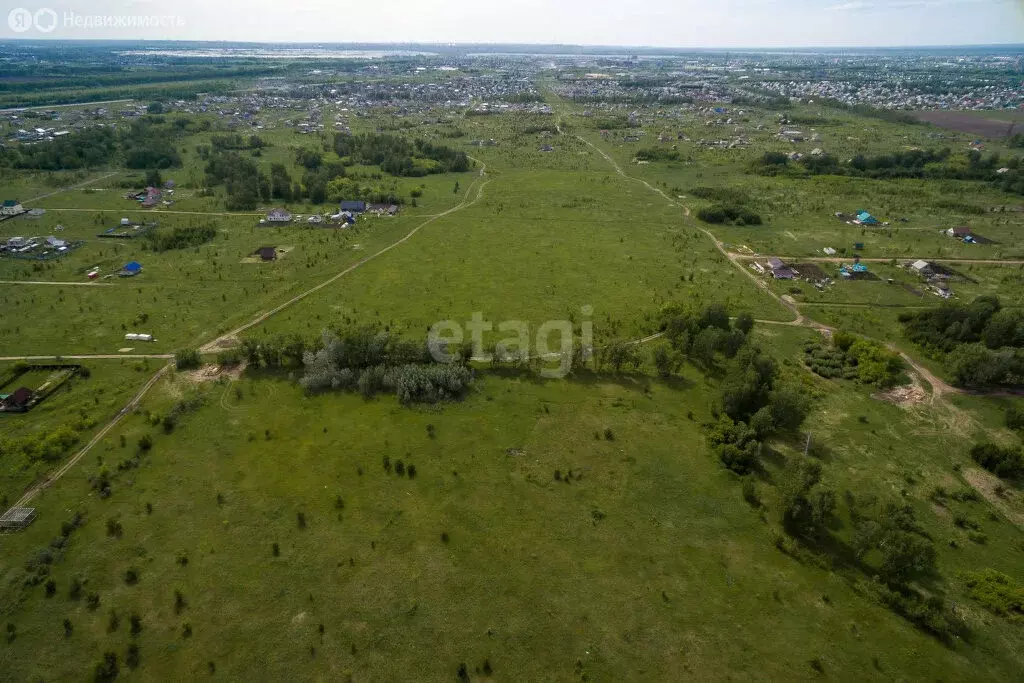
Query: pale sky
pixel 663 23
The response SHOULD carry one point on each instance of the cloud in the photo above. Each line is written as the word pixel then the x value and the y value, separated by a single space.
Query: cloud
pixel 938 3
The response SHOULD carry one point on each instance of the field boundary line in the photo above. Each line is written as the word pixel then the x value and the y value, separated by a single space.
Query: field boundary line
pixel 66 467
pixel 70 187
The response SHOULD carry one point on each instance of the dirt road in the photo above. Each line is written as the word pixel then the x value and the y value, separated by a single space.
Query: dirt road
pixel 63 469
pixel 43 282
pixel 901 259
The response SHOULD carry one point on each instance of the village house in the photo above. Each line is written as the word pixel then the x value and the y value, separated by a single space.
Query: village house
pixel 18 401
pixel 780 271
pixel 151 198
pixel 922 268
pixel 959 232
pixel 279 216
pixel 352 206
pixel 383 209
pixel 11 207
pixel 267 253
pixel 865 218
pixel 131 269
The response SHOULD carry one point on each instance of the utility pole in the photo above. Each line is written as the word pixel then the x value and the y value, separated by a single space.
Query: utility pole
pixel 807 446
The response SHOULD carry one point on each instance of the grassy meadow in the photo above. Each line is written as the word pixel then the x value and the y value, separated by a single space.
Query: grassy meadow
pixel 647 562
pixel 234 527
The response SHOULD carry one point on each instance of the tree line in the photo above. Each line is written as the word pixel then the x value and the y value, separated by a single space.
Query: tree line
pixel 1006 174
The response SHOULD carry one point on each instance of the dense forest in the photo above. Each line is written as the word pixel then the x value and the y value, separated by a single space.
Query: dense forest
pixel 399 157
pixel 982 342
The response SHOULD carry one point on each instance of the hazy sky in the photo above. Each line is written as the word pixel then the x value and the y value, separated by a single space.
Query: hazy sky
pixel 670 23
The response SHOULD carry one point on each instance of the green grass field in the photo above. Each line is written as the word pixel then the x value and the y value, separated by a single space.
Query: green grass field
pixel 86 402
pixel 572 529
pixel 647 564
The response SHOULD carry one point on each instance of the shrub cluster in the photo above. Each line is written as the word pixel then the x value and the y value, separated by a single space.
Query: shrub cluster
pixel 180 237
pixel 997 592
pixel 728 213
pixel 999 460
pixel 848 357
pixel 372 362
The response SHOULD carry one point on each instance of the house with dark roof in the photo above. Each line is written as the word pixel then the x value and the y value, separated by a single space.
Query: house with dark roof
pixel 267 253
pixel 960 232
pixel 19 400
pixel 780 271
pixel 353 206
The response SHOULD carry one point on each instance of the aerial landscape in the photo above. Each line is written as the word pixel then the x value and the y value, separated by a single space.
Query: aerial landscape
pixel 500 360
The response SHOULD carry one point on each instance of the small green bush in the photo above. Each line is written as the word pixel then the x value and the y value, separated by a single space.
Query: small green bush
pixel 996 592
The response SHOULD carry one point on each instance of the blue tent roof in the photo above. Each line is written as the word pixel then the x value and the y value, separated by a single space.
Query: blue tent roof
pixel 133 267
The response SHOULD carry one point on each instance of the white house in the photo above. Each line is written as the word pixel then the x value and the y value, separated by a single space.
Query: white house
pixel 921 267
pixel 279 216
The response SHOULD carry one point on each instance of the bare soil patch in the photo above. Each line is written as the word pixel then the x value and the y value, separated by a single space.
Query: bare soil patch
pixel 986 484
pixel 809 270
pixel 951 273
pixel 211 373
pixel 904 396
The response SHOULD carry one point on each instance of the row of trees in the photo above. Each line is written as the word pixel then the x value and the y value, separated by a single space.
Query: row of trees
pixel 1006 174
pixel 246 185
pixel 1002 461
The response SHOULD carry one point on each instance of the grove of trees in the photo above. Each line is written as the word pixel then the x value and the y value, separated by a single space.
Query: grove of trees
pixel 982 343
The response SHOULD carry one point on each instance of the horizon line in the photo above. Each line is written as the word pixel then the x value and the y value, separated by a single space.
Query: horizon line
pixel 454 45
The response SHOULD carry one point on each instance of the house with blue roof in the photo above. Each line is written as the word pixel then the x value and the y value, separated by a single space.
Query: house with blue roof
pixel 131 269
pixel 865 218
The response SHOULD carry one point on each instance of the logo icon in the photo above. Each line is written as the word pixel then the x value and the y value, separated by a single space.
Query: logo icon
pixel 20 20
pixel 45 20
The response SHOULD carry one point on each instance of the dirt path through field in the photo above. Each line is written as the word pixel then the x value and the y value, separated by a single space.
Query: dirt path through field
pixel 63 469
pixel 230 339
